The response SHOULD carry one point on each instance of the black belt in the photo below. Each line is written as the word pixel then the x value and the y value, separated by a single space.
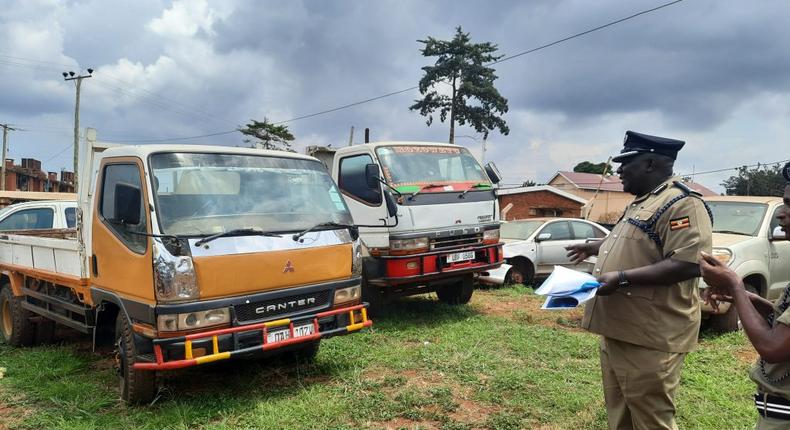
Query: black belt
pixel 772 406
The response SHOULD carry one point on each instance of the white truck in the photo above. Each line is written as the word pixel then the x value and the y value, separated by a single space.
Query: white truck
pixel 747 237
pixel 185 255
pixel 39 215
pixel 427 213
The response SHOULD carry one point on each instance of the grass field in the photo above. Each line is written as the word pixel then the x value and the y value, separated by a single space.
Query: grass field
pixel 498 363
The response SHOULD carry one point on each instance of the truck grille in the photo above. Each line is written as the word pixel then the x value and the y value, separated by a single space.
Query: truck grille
pixel 456 241
pixel 268 309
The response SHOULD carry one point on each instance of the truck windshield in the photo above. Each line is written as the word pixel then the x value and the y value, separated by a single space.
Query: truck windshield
pixel 410 168
pixel 737 217
pixel 202 194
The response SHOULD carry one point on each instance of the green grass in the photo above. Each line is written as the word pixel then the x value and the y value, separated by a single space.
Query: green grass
pixel 499 363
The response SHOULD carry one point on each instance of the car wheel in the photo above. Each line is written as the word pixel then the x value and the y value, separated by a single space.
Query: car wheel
pixel 519 273
pixel 457 293
pixel 15 324
pixel 728 321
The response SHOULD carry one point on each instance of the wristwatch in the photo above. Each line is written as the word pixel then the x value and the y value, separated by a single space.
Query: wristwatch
pixel 623 282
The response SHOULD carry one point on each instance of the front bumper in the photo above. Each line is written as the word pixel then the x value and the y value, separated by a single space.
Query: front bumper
pixel 402 269
pixel 221 344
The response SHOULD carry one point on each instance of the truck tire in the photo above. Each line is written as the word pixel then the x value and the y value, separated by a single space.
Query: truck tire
pixel 457 293
pixel 520 273
pixel 728 321
pixel 15 324
pixel 137 386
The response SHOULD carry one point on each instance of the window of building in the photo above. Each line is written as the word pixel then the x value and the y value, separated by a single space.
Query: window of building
pixel 352 180
pixel 129 234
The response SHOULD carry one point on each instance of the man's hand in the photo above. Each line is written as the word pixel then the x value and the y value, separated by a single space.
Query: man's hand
pixel 610 282
pixel 723 280
pixel 582 251
pixel 714 295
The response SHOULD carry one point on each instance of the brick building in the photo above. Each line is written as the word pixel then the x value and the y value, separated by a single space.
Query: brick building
pixel 538 201
pixel 28 176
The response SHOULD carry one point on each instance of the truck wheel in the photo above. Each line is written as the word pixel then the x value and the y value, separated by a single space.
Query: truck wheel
pixel 137 386
pixel 729 320
pixel 457 293
pixel 15 322
pixel 519 273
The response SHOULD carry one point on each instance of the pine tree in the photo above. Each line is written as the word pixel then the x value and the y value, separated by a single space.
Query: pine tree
pixel 268 135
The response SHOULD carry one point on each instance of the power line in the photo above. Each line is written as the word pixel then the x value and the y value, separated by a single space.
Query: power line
pixel 171 139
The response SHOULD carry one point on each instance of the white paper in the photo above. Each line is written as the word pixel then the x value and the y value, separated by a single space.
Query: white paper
pixel 567 288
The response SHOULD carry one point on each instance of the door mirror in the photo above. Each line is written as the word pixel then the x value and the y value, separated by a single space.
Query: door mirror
pixel 543 236
pixel 392 205
pixel 777 234
pixel 493 173
pixel 127 204
pixel 372 176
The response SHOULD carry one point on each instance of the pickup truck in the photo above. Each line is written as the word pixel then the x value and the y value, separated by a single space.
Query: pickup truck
pixel 185 255
pixel 428 217
pixel 747 237
pixel 39 215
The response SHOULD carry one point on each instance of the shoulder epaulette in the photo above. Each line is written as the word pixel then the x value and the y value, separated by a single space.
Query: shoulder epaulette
pixel 686 189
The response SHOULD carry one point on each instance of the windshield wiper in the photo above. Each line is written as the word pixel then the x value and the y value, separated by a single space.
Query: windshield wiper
pixel 732 232
pixel 423 188
pixel 322 225
pixel 478 185
pixel 236 232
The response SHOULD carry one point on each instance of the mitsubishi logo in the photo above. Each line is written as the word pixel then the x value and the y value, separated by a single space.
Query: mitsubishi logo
pixel 289 267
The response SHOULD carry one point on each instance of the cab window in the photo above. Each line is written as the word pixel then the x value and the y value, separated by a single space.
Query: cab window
pixel 351 179
pixel 29 219
pixel 130 235
pixel 71 217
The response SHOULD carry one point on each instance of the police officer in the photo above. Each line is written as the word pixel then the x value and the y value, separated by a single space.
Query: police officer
pixel 766 324
pixel 647 309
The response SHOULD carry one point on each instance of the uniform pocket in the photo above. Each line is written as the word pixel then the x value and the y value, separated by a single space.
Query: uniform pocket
pixel 634 232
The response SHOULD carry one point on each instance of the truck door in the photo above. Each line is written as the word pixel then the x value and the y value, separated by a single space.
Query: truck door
pixel 121 260
pixel 778 256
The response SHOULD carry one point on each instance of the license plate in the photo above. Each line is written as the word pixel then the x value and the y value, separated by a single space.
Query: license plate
pixel 461 256
pixel 283 334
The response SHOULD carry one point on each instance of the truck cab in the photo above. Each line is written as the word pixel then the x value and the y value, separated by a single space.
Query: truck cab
pixel 427 214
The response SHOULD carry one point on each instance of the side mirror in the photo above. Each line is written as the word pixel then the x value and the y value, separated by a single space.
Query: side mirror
pixel 543 236
pixel 127 204
pixel 392 205
pixel 777 234
pixel 372 176
pixel 493 173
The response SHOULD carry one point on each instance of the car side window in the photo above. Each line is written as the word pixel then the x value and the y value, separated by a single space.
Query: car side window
pixel 71 217
pixel 582 230
pixel 774 219
pixel 559 230
pixel 29 219
pixel 128 174
pixel 351 179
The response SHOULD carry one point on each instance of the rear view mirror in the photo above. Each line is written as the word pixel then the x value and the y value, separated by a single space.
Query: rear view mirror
pixel 372 176
pixel 543 236
pixel 392 205
pixel 127 204
pixel 493 173
pixel 777 234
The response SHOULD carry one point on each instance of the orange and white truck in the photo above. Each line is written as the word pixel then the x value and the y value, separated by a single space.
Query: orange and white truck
pixel 187 254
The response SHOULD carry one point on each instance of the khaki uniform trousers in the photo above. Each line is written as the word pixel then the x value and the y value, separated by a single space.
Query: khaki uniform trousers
pixel 639 385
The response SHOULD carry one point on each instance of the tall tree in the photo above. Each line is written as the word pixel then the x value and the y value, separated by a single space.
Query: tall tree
pixel 588 167
pixel 761 181
pixel 473 98
pixel 266 135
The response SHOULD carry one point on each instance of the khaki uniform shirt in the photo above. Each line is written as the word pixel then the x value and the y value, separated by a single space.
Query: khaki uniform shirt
pixel 774 378
pixel 663 317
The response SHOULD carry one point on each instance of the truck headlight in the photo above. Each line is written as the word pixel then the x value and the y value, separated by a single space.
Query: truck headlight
pixel 193 320
pixel 408 246
pixel 723 254
pixel 174 276
pixel 491 236
pixel 349 295
pixel 356 258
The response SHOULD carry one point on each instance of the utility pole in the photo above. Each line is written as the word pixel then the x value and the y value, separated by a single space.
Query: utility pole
pixel 6 127
pixel 70 76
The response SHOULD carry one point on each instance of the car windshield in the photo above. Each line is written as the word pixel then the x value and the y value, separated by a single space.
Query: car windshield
pixel 519 230
pixel 410 168
pixel 737 217
pixel 201 194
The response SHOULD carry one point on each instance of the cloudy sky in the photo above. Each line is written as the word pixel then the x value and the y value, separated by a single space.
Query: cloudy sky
pixel 715 73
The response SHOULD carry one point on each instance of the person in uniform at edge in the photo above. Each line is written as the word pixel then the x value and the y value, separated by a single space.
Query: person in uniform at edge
pixel 647 309
pixel 767 325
